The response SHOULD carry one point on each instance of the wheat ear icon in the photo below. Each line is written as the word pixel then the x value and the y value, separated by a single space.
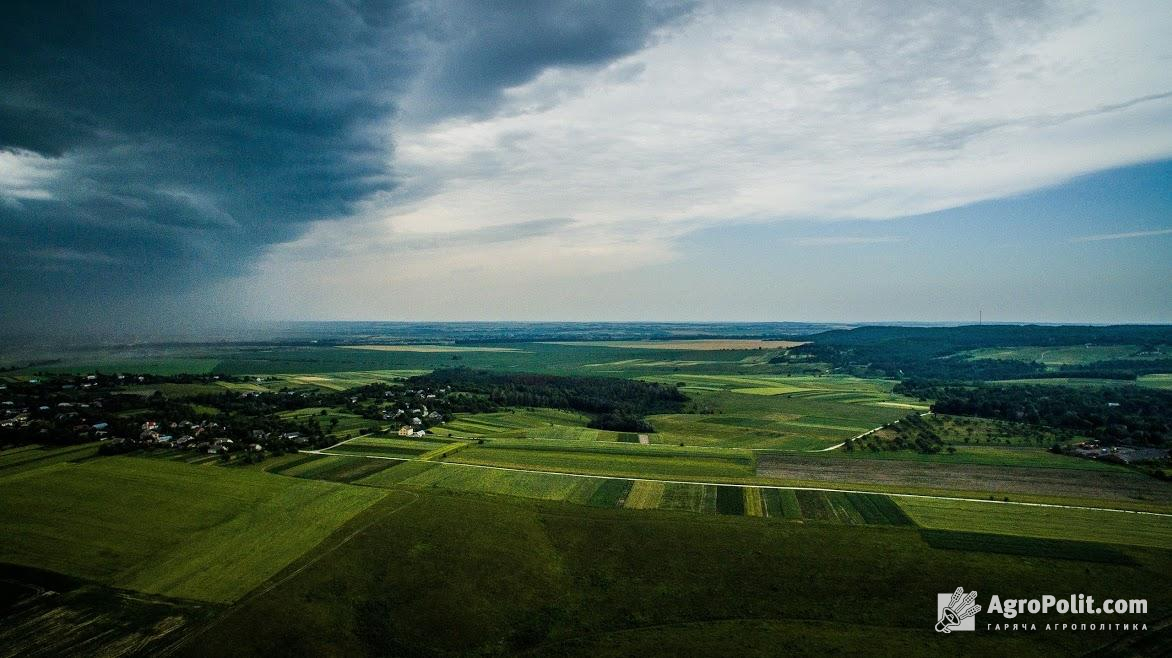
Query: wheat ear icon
pixel 959 607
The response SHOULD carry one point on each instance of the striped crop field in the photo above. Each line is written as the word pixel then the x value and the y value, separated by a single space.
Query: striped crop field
pixel 400 448
pixel 334 468
pixel 698 498
pixel 645 495
pixel 638 494
pixel 754 501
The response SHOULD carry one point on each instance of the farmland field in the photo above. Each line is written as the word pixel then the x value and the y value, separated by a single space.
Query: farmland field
pixel 394 447
pixel 1107 483
pixel 588 358
pixel 703 345
pixel 30 458
pixel 1163 381
pixel 815 506
pixel 591 581
pixel 526 423
pixel 479 480
pixel 325 417
pixel 1027 546
pixel 617 459
pixel 166 528
pixel 525 530
pixel 1051 523
pixel 428 349
pixel 333 468
pixel 1068 355
pixel 787 413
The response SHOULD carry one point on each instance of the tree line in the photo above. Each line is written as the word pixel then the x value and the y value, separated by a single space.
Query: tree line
pixel 1113 414
pixel 615 404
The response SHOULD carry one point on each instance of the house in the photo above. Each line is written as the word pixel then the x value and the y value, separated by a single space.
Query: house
pixel 405 431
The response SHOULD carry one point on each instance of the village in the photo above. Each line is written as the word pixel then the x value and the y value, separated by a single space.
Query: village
pixel 204 414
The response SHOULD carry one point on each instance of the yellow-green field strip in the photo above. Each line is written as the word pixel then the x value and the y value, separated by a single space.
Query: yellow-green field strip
pixel 749 484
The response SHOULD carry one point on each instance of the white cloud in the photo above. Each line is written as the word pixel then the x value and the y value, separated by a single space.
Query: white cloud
pixel 767 112
pixel 830 241
pixel 26 175
pixel 1122 236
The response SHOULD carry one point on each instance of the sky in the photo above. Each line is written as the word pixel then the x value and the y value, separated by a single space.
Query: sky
pixel 169 167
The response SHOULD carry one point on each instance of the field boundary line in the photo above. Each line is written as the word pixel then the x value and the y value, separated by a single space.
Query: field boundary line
pixel 867 433
pixel 265 589
pixel 759 486
pixel 360 436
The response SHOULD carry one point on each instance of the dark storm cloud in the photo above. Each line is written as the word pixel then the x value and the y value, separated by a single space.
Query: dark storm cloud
pixel 483 47
pixel 177 140
pixel 184 138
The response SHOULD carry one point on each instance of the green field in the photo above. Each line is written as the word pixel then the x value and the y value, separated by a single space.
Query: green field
pixel 427 349
pixel 612 459
pixel 591 358
pixel 478 480
pixel 1068 355
pixel 351 424
pixel 464 574
pixel 172 390
pixel 142 362
pixel 425 448
pixel 781 412
pixel 29 458
pixel 526 423
pixel 1026 546
pixel 1110 486
pixel 332 468
pixel 1163 381
pixel 211 534
pixel 1108 527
